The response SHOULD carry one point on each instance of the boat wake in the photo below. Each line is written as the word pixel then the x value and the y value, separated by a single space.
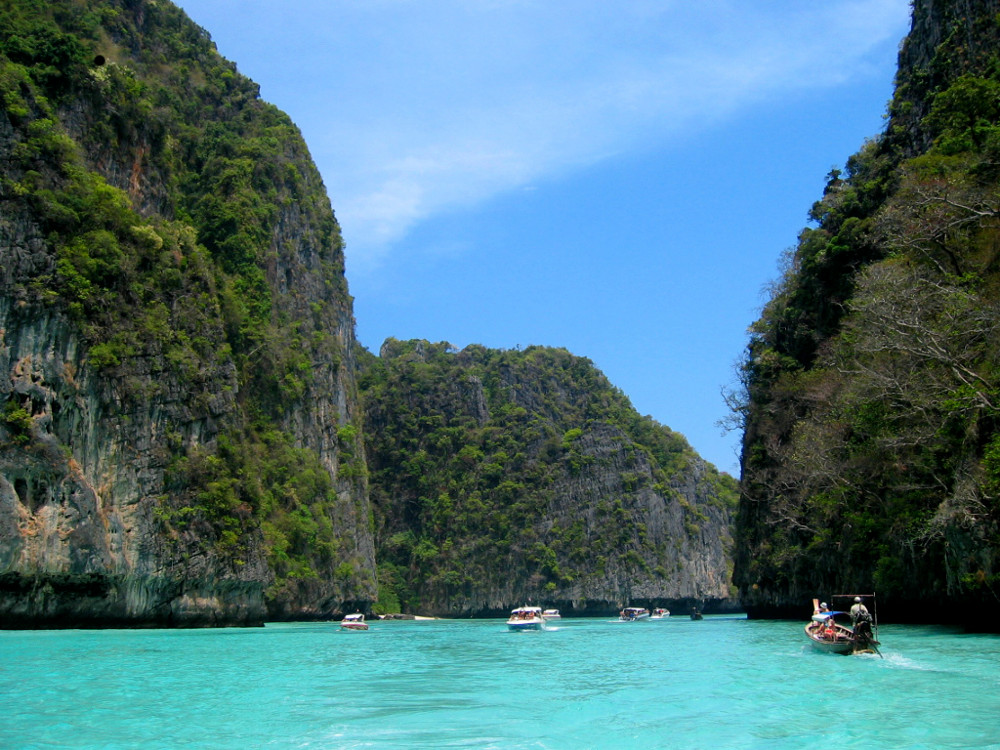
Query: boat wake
pixel 896 660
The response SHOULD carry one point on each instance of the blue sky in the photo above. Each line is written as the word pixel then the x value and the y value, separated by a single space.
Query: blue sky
pixel 619 179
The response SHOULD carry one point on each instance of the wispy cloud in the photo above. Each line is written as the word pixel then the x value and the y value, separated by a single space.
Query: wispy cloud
pixel 433 106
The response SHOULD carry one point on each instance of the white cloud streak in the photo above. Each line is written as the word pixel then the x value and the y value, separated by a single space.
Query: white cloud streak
pixel 429 107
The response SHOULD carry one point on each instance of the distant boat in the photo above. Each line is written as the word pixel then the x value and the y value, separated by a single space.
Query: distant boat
pixel 660 614
pixel 551 614
pixel 526 618
pixel 696 614
pixel 631 614
pixel 828 631
pixel 355 621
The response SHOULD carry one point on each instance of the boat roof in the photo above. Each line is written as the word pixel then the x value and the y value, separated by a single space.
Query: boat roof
pixel 356 616
pixel 526 609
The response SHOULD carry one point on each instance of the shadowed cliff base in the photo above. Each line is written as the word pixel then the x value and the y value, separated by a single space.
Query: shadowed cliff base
pixel 93 600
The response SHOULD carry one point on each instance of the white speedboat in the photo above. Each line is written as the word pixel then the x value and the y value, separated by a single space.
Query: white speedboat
pixel 355 621
pixel 660 614
pixel 631 614
pixel 526 618
pixel 551 614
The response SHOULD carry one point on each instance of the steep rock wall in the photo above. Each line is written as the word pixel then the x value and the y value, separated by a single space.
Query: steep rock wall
pixel 501 477
pixel 124 423
pixel 868 459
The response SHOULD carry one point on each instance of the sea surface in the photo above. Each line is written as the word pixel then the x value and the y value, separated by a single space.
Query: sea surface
pixel 722 682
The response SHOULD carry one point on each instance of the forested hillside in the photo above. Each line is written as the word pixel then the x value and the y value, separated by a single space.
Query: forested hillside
pixel 182 441
pixel 177 375
pixel 499 475
pixel 871 457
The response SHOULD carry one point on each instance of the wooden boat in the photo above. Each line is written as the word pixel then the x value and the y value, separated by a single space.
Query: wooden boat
pixel 828 631
pixel 526 618
pixel 355 621
pixel 826 634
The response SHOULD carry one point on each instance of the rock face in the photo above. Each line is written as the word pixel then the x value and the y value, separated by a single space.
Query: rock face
pixel 504 477
pixel 871 456
pixel 680 535
pixel 182 438
pixel 146 370
pixel 78 496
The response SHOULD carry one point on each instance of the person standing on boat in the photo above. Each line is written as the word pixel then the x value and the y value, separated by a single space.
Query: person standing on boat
pixel 859 611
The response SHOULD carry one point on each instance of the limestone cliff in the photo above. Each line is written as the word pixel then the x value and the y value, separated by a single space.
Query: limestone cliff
pixel 871 456
pixel 505 477
pixel 176 360
pixel 182 438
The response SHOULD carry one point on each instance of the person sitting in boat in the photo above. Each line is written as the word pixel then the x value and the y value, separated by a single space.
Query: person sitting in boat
pixel 859 611
pixel 822 608
pixel 830 629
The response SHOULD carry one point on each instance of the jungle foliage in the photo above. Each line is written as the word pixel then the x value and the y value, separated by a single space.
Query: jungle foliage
pixel 152 185
pixel 471 454
pixel 872 378
pixel 165 269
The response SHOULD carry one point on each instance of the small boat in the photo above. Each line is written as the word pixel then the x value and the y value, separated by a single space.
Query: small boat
pixel 696 614
pixel 826 634
pixel 526 618
pixel 551 614
pixel 631 614
pixel 828 631
pixel 355 621
pixel 660 614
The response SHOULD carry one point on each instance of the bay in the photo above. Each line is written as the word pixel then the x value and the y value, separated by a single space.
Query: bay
pixel 723 682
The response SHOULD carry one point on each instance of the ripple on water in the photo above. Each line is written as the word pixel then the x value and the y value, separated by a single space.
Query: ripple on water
pixel 719 683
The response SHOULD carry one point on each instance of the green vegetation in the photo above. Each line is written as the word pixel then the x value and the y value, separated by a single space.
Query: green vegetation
pixel 872 379
pixel 174 226
pixel 485 471
pixel 157 178
pixel 18 421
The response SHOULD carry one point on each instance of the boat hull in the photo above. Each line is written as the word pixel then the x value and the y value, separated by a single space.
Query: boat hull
pixel 843 644
pixel 526 625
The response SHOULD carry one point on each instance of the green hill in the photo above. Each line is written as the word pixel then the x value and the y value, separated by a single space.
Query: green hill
pixel 503 476
pixel 177 331
pixel 183 441
pixel 871 457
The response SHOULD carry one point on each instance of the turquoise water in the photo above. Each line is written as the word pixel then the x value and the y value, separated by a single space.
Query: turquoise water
pixel 723 682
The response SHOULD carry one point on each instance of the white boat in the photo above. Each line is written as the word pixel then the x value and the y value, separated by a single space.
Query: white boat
pixel 660 614
pixel 355 621
pixel 526 618
pixel 631 614
pixel 551 614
